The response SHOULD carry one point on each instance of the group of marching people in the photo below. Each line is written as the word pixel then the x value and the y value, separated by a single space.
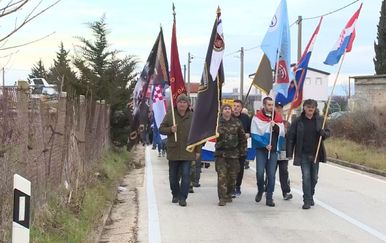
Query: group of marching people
pixel 276 142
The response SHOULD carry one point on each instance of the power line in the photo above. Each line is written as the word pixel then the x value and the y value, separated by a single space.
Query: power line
pixel 331 12
pixel 296 22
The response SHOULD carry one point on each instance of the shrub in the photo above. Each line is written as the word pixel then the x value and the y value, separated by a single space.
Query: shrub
pixel 361 126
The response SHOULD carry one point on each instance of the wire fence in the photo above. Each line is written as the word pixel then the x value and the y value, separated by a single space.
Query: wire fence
pixel 52 143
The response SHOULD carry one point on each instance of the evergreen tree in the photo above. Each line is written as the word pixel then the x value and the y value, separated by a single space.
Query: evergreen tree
pixel 62 74
pixel 103 75
pixel 380 45
pixel 95 58
pixel 120 73
pixel 38 70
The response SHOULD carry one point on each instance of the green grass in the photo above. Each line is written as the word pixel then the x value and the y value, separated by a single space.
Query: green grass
pixel 75 222
pixel 356 153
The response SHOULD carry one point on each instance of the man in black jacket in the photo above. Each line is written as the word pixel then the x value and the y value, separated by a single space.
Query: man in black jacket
pixel 246 122
pixel 303 138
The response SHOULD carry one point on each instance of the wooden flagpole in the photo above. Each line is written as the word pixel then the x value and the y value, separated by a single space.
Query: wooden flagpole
pixel 249 91
pixel 328 107
pixel 297 93
pixel 273 98
pixel 173 115
pixel 171 92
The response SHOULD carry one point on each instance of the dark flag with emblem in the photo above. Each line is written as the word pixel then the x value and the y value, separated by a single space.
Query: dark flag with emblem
pixel 207 110
pixel 155 72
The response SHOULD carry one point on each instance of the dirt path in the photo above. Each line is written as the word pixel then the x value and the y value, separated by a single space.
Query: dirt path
pixel 122 223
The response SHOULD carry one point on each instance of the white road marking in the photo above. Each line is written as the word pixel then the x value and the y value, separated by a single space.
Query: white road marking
pixel 342 215
pixel 356 173
pixel 154 231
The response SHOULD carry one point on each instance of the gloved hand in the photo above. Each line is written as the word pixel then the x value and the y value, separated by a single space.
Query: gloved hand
pixel 323 133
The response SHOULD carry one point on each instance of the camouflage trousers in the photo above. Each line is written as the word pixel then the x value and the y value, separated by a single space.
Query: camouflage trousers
pixel 227 170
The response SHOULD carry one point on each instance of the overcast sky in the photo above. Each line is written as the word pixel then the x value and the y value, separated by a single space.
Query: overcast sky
pixel 134 26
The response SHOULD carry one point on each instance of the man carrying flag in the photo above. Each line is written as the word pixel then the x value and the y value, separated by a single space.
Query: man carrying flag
pixel 307 132
pixel 179 159
pixel 263 124
pixel 267 128
pixel 207 109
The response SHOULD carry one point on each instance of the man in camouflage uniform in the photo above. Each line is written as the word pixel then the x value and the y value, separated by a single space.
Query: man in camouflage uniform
pixel 230 146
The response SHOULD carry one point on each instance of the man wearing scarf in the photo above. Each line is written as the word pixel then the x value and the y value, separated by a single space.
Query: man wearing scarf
pixel 267 147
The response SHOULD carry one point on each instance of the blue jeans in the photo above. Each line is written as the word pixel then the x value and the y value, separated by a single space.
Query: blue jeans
pixel 179 169
pixel 262 165
pixel 310 172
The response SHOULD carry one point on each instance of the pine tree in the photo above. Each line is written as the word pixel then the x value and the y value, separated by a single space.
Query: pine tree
pixel 38 70
pixel 62 74
pixel 95 58
pixel 380 45
pixel 103 75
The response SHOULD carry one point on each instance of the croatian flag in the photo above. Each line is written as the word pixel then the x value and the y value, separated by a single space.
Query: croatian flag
pixel 261 130
pixel 159 106
pixel 345 41
pixel 207 152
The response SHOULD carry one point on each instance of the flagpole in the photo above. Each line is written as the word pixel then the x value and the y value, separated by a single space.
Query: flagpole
pixel 297 93
pixel 274 97
pixel 328 107
pixel 173 115
pixel 171 90
pixel 249 90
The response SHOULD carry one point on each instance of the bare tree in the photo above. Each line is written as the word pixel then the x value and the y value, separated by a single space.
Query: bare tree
pixel 14 6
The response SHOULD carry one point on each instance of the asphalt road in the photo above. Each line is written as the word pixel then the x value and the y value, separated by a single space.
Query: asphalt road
pixel 350 207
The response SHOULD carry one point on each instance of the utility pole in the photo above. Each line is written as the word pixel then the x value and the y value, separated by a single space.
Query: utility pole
pixel 3 79
pixel 190 57
pixel 349 87
pixel 184 73
pixel 241 73
pixel 299 22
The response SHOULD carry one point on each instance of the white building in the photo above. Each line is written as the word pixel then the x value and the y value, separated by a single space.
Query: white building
pixel 316 85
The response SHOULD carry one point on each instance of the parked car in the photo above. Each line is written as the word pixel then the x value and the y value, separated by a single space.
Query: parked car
pixel 337 115
pixel 40 86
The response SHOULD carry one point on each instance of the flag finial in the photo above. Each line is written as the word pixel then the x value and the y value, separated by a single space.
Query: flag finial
pixel 174 12
pixel 218 11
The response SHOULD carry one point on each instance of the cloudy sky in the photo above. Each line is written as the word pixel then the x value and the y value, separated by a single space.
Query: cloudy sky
pixel 134 25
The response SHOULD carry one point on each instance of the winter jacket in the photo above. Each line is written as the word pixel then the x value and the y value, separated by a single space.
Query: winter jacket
pixel 295 139
pixel 177 150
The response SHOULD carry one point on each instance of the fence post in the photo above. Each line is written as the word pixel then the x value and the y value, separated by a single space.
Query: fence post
pixel 21 209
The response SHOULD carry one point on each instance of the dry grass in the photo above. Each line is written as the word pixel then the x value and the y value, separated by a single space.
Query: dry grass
pixel 61 222
pixel 356 153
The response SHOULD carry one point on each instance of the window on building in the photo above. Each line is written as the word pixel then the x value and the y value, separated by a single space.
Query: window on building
pixel 318 81
pixel 308 81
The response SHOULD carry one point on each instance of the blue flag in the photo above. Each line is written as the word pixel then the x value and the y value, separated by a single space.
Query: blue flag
pixel 277 47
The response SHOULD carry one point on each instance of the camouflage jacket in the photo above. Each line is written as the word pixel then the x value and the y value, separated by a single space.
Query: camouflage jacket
pixel 232 142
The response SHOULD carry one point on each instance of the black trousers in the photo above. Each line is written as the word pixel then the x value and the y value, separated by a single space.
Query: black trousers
pixel 240 175
pixel 283 175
